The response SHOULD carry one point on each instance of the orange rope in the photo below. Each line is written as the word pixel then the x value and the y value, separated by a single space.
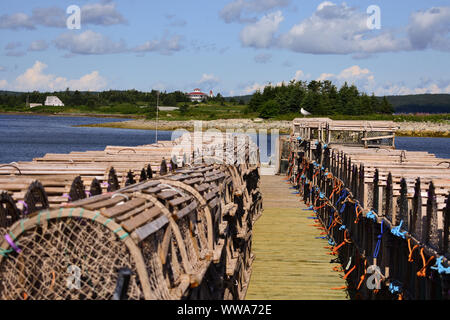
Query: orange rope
pixel 53 280
pixel 346 240
pixel 410 258
pixel 340 288
pixel 364 275
pixel 358 213
pixel 423 272
pixel 350 271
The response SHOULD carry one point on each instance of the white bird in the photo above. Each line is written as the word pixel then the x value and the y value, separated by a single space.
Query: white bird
pixel 304 112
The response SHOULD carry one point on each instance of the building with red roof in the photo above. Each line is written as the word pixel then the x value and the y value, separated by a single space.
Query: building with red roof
pixel 197 95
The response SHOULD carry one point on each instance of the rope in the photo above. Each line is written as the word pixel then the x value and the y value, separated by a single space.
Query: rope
pixel 378 245
pixel 396 231
pixel 410 258
pixel 439 267
pixel 423 272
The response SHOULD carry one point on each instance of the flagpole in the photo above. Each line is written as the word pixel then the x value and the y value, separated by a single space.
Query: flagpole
pixel 157 114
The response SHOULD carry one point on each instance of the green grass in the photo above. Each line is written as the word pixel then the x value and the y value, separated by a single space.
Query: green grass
pixel 211 111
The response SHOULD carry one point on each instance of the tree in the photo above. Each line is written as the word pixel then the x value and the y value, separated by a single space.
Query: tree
pixel 184 108
pixel 269 109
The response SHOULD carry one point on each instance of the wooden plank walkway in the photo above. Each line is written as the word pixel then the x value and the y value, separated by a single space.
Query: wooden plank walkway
pixel 290 264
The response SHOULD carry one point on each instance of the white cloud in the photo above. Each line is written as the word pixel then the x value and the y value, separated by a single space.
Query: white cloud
pixel 13 45
pixel 429 86
pixel 166 45
pixel 298 75
pixel 35 78
pixel 361 77
pixel 338 29
pixel 430 29
pixel 261 33
pixel 104 13
pixel 3 84
pixel 342 29
pixel 208 81
pixel 16 21
pixel 263 58
pixel 234 11
pixel 38 45
pixel 89 42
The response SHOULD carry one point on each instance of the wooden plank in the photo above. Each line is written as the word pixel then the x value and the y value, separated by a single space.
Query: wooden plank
pixel 165 195
pixel 186 210
pixel 178 201
pixel 123 208
pixel 103 204
pixel 150 228
pixel 140 219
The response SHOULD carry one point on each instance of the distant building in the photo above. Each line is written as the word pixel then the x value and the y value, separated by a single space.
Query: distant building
pixel 197 95
pixel 32 105
pixel 53 101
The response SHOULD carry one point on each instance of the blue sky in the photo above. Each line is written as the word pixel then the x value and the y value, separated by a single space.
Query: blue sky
pixel 229 46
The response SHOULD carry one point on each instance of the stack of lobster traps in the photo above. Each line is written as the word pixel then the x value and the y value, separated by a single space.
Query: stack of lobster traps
pixel 182 232
pixel 385 212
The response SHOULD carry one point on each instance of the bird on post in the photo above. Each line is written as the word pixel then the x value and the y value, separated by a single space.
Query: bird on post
pixel 304 112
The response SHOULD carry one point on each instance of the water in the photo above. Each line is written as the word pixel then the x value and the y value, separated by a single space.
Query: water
pixel 438 146
pixel 24 137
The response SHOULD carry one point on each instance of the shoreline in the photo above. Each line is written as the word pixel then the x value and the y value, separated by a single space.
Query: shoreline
pixel 69 114
pixel 407 129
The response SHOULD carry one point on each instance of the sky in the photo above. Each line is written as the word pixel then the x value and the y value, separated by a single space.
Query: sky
pixel 232 47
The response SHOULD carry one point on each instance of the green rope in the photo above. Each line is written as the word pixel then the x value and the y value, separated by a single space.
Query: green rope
pixel 107 221
pixel 118 229
pixel 71 212
pixel 96 216
pixel 60 213
pixel 122 237
pixel 81 212
pixel 12 235
pixel 5 253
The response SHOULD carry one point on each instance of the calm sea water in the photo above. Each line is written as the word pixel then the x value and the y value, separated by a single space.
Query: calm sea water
pixel 24 137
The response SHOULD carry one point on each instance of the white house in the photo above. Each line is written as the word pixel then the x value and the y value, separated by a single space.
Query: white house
pixel 53 101
pixel 197 95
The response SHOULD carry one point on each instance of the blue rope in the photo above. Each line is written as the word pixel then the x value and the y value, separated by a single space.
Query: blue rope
pixel 310 208
pixel 330 222
pixel 371 215
pixel 439 267
pixel 331 242
pixel 342 208
pixel 342 227
pixel 396 231
pixel 378 245
pixel 395 287
pixel 321 195
pixel 344 194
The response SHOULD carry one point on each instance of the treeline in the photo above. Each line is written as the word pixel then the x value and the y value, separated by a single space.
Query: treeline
pixel 421 103
pixel 95 99
pixel 318 98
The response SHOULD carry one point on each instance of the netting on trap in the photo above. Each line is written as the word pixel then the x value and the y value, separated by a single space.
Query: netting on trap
pixel 68 258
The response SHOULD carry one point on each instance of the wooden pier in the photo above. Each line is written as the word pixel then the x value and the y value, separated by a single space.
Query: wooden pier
pixel 386 211
pixel 291 262
pixel 140 228
pixel 159 222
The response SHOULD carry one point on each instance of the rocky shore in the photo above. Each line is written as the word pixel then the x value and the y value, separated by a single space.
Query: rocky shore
pixel 420 129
